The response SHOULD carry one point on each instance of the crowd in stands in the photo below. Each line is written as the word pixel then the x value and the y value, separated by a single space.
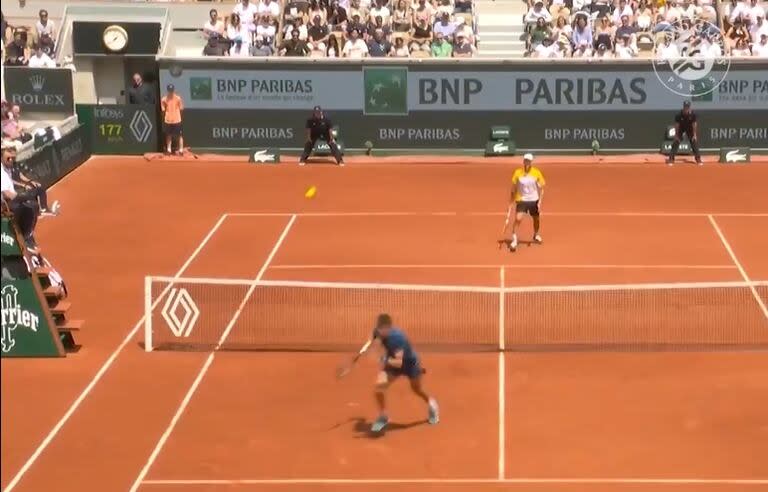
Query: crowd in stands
pixel 664 29
pixel 342 29
pixel 30 46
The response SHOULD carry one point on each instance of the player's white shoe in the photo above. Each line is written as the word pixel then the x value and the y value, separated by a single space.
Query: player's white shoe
pixel 434 412
pixel 513 244
pixel 537 239
pixel 302 163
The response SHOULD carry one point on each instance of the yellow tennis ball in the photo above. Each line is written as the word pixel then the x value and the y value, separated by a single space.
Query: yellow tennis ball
pixel 311 192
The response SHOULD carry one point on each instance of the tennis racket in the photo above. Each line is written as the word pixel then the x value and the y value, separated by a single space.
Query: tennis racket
pixel 346 367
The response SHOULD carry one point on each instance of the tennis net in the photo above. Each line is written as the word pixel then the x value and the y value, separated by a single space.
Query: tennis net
pixel 229 314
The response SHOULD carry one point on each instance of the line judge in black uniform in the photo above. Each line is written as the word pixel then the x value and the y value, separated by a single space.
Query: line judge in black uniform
pixel 686 123
pixel 318 126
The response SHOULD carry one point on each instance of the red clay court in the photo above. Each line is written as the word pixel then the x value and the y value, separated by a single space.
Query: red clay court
pixel 608 415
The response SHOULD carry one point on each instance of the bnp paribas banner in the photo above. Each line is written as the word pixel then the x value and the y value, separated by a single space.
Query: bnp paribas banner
pixel 399 90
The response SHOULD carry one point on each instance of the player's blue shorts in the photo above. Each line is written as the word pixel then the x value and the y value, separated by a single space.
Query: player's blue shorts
pixel 411 370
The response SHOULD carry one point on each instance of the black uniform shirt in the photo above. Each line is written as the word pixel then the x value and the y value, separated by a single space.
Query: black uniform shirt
pixel 319 127
pixel 686 121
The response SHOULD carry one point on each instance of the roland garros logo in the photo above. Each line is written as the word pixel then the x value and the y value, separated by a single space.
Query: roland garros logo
pixel 694 73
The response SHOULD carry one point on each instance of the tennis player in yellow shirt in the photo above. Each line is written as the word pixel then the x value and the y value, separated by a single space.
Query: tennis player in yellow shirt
pixel 526 195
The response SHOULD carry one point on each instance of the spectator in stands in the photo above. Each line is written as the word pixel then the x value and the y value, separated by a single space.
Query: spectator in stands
pixel 421 36
pixel 644 17
pixel 604 33
pixel 295 46
pixel 559 8
pixel 239 36
pixel 463 6
pixel 582 33
pixel 603 51
pixel 424 11
pixel 12 128
pixel 741 49
pixel 40 59
pixel 583 50
pixel 172 107
pixel 294 9
pixel 625 29
pixel 355 9
pixel 214 25
pixel 45 26
pixel 337 19
pixel 737 32
pixel 355 25
pixel 400 50
pixel 140 93
pixel 318 35
pixel 380 10
pixel 758 28
pixel 16 52
pixel 334 50
pixel 444 26
pixel 440 47
pixel 687 10
pixel 562 33
pixel 546 49
pixel 355 47
pixel 756 11
pixel 270 8
pixel 378 25
pixel 246 12
pixel 463 48
pixel 317 10
pixel 24 210
pixel 216 46
pixel 667 50
pixel 537 12
pixel 732 11
pixel 402 17
pixel 261 47
pixel 760 49
pixel 538 34
pixel 624 47
pixel 600 8
pixel 378 46
pixel 266 29
pixel 464 29
pixel 4 28
pixel 444 7
pixel 32 189
pixel 297 26
pixel 47 44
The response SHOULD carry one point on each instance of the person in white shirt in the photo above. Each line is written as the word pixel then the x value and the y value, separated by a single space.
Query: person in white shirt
pixel 266 29
pixel 758 28
pixel 547 49
pixel 239 35
pixel 297 24
pixel 740 9
pixel 708 49
pixel 380 10
pixel 622 10
pixel 355 47
pixel 624 48
pixel 583 50
pixel 538 11
pixel 603 52
pixel 673 13
pixel 270 8
pixel 754 11
pixel 247 11
pixel 214 25
pixel 40 59
pixel 760 49
pixel 668 50
pixel 45 26
pixel 688 10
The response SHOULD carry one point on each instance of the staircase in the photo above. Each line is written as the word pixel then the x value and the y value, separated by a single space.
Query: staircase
pixel 500 28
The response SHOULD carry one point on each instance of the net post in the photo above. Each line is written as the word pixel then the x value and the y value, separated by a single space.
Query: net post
pixel 502 337
pixel 148 314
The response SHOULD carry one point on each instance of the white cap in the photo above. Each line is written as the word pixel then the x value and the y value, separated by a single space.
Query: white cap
pixel 528 157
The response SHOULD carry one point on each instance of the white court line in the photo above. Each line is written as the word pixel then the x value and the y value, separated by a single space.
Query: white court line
pixel 523 266
pixel 502 375
pixel 494 214
pixel 105 367
pixel 209 360
pixel 448 481
pixel 736 262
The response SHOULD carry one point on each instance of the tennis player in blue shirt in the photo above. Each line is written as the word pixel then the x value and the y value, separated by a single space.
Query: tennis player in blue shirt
pixel 399 360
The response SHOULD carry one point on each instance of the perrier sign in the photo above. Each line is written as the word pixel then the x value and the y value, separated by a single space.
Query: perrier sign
pixel 27 328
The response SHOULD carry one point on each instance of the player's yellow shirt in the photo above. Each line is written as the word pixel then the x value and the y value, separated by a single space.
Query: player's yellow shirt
pixel 527 185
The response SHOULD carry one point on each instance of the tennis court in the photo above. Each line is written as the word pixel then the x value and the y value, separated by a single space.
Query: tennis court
pixel 655 403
